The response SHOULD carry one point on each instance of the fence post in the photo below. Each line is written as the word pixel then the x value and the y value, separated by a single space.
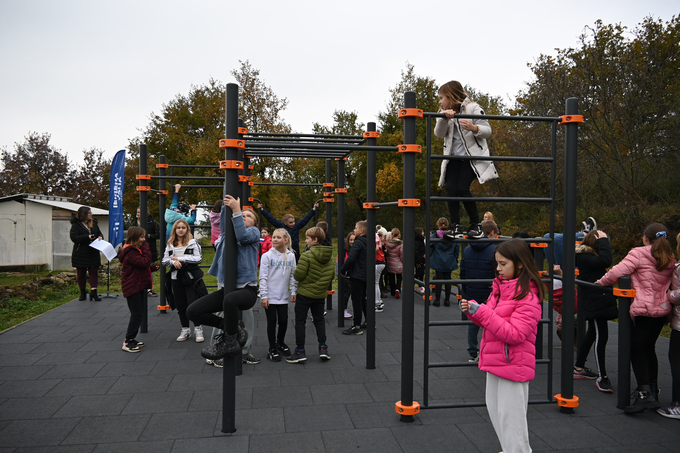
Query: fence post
pixel 341 239
pixel 329 221
pixel 625 331
pixel 143 204
pixel 370 255
pixel 161 230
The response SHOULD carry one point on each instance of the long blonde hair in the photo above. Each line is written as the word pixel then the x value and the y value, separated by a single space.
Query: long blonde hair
pixel 174 239
pixel 288 245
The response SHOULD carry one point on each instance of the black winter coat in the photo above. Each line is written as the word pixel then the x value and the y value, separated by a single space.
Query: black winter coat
pixel 478 263
pixel 152 235
pixel 420 252
pixel 355 264
pixel 84 256
pixel 595 302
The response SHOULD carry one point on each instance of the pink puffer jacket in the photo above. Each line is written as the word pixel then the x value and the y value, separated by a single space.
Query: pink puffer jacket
pixel 650 285
pixel 395 256
pixel 508 343
pixel 674 298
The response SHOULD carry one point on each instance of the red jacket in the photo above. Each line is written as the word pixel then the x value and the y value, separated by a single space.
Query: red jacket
pixel 508 343
pixel 136 273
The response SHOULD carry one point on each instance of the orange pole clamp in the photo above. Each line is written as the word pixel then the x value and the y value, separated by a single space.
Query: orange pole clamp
pixel 340 190
pixel 251 167
pixel 372 134
pixel 566 119
pixel 247 157
pixel 329 184
pixel 407 113
pixel 162 166
pixel 618 292
pixel 429 298
pixel 566 402
pixel 331 292
pixel 143 189
pixel 410 149
pixel 539 245
pixel 231 165
pixel 328 200
pixel 328 194
pixel 340 158
pixel 242 130
pixel 433 286
pixel 232 143
pixel 143 177
pixel 162 192
pixel 242 178
pixel 409 202
pixel 371 205
pixel 163 307
pixel 407 410
pixel 248 208
pixel 459 297
pixel 251 183
pixel 576 272
pixel 251 199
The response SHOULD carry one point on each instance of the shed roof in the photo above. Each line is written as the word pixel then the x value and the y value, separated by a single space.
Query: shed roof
pixel 56 202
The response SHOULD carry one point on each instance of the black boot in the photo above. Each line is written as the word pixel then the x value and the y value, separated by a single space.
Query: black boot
pixel 94 296
pixel 83 294
pixel 227 345
pixel 242 334
pixel 654 387
pixel 642 400
pixel 436 303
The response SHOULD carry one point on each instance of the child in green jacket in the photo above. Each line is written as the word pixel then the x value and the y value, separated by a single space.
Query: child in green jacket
pixel 314 273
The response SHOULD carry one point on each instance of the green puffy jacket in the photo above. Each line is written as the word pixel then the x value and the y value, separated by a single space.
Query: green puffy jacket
pixel 315 271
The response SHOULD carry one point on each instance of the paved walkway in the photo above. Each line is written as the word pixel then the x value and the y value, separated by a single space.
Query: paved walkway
pixel 66 386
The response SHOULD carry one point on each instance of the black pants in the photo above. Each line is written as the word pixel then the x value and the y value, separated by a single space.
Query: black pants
pixel 358 299
pixel 347 291
pixel 419 272
pixel 202 311
pixel 646 331
pixel 439 275
pixel 276 312
pixel 184 296
pixel 674 358
pixel 136 308
pixel 598 333
pixel 459 177
pixel 395 282
pixel 304 305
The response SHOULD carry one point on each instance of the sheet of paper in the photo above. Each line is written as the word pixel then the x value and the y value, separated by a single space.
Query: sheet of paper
pixel 105 247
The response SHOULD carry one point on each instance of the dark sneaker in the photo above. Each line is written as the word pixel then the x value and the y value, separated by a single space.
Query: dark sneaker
pixel 584 228
pixel 436 303
pixel 283 349
pixel 273 355
pixel 242 334
pixel 139 344
pixel 379 308
pixel 456 232
pixel 591 224
pixel 151 293
pixel 642 400
pixel 584 373
pixel 323 352
pixel 250 359
pixel 130 347
pixel 473 359
pixel 672 411
pixel 603 384
pixel 227 345
pixel 297 357
pixel 354 330
pixel 447 303
pixel 216 363
pixel 475 231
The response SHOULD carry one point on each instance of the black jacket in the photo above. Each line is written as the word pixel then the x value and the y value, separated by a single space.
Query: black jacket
pixel 152 235
pixel 420 252
pixel 478 263
pixel 84 256
pixel 595 302
pixel 355 264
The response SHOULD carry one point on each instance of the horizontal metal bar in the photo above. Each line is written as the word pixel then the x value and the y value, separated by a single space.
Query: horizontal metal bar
pixel 183 177
pixel 275 134
pixel 319 146
pixel 307 140
pixel 539 240
pixel 461 405
pixel 194 166
pixel 200 186
pixel 467 323
pixel 387 204
pixel 495 199
pixel 497 117
pixel 493 158
pixel 451 364
pixel 286 184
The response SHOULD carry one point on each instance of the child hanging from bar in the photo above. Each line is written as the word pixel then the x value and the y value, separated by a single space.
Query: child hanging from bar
pixel 178 210
pixel 288 224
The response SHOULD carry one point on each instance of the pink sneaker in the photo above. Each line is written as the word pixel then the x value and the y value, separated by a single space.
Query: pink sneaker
pixel 348 315
pixel 397 294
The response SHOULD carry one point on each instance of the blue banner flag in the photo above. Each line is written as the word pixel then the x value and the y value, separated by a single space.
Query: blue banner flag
pixel 116 187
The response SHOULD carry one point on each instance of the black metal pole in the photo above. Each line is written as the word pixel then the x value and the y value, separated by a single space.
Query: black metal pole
pixel 409 225
pixel 568 276
pixel 371 172
pixel 161 229
pixel 230 256
pixel 329 221
pixel 341 239
pixel 143 203
pixel 625 332
pixel 538 259
pixel 426 278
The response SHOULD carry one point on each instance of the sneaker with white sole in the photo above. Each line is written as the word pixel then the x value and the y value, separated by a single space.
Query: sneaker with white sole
pixel 473 359
pixel 584 373
pixel 219 363
pixel 603 384
pixel 130 347
pixel 354 330
pixel 348 315
pixel 323 352
pixel 139 344
pixel 672 411
pixel 250 359
pixel 198 333
pixel 185 334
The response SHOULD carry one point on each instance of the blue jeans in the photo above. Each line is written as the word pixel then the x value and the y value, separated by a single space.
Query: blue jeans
pixel 559 245
pixel 473 344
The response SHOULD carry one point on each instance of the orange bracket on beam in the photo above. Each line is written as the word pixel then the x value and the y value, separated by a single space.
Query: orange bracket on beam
pixel 410 149
pixel 566 119
pixel 330 292
pixel 413 409
pixel 162 192
pixel 409 203
pixel 162 166
pixel 232 143
pixel 340 190
pixel 328 200
pixel 340 158
pixel 163 307
pixel 248 208
pixel 371 205
pixel 539 245
pixel 372 134
pixel 408 113
pixel 328 194
pixel 143 189
pixel 250 167
pixel 618 292
pixel 231 165
pixel 242 130
pixel 329 184
pixel 242 178
pixel 143 176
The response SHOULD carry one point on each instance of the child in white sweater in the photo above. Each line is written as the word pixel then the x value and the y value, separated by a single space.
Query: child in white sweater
pixel 277 287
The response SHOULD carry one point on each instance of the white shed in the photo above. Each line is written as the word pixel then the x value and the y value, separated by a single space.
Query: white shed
pixel 34 230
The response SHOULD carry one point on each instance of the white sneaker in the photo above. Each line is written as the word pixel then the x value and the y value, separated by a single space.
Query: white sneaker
pixel 185 334
pixel 198 333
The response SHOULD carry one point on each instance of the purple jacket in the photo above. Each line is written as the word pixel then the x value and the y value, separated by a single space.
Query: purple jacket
pixel 650 285
pixel 508 343
pixel 674 298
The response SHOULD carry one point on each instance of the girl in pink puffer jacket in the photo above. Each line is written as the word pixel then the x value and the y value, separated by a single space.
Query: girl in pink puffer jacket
pixel 508 353
pixel 650 268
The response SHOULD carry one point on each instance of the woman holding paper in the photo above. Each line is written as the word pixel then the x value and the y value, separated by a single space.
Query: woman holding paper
pixel 85 230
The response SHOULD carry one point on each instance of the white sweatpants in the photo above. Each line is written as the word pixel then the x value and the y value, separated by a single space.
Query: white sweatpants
pixel 378 271
pixel 507 403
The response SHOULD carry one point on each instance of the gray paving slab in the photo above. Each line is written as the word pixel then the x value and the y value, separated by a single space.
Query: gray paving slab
pixel 180 425
pixel 23 373
pixel 287 443
pixel 107 429
pixel 93 405
pixel 235 444
pixel 37 433
pixel 377 440
pixel 163 446
pixel 31 408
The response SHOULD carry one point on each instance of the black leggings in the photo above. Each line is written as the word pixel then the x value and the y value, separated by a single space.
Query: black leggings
pixel 439 275
pixel 202 311
pixel 276 312
pixel 358 299
pixel 598 332
pixel 394 286
pixel 184 296
pixel 136 312
pixel 646 331
pixel 347 291
pixel 459 177
pixel 674 358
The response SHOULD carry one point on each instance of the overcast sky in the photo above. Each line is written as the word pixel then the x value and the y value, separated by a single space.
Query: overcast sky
pixel 91 72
